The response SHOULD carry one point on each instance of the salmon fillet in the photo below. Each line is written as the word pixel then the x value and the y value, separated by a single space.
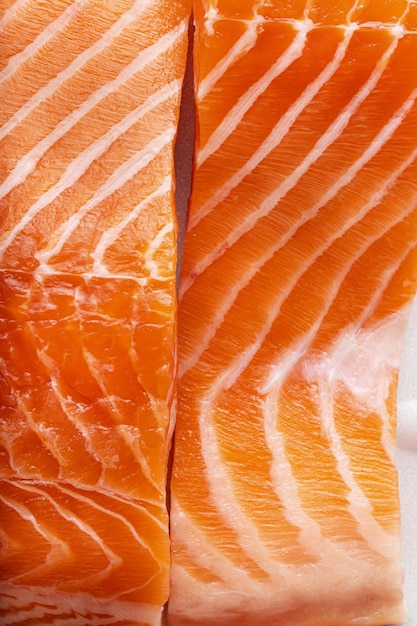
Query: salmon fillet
pixel 90 96
pixel 299 268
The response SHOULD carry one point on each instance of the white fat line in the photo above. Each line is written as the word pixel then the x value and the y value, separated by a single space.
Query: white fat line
pixel 11 12
pixel 286 487
pixel 82 162
pixel 107 511
pixel 273 199
pixel 113 559
pixel 72 409
pixel 137 504
pixel 28 162
pixel 151 265
pixel 44 613
pixel 57 25
pixel 359 505
pixel 222 310
pixel 276 135
pixel 145 57
pixel 287 361
pixel 245 102
pixel 87 276
pixel 43 433
pixel 26 601
pixel 284 482
pixel 387 440
pixel 220 486
pixel 192 539
pixel 91 503
pixel 241 361
pixel 119 177
pixel 284 125
pixel 242 46
pixel 112 234
pixel 58 549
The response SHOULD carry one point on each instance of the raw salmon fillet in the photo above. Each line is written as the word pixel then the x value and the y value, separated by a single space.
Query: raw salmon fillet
pixel 90 95
pixel 299 268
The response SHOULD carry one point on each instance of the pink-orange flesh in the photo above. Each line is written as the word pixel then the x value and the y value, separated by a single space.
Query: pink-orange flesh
pixel 299 268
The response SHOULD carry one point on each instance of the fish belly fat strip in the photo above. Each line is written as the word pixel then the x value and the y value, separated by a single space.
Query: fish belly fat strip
pixel 90 95
pixel 298 273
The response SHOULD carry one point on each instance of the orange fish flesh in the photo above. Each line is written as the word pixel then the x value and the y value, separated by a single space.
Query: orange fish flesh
pixel 299 268
pixel 90 96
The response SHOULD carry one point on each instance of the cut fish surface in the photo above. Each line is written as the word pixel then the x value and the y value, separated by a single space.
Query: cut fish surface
pixel 90 96
pixel 299 268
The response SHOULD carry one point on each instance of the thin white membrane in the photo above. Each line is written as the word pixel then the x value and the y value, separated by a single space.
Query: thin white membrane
pixel 226 305
pixel 28 162
pixel 75 412
pixel 245 102
pixel 283 126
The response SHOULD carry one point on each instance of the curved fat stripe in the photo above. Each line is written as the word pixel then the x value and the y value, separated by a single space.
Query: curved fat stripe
pixel 154 247
pixel 240 48
pixel 360 507
pixel 245 102
pixel 89 502
pixel 27 163
pixel 231 374
pixel 58 548
pixel 125 522
pixel 121 175
pixel 41 40
pixel 237 287
pixel 221 487
pixel 328 138
pixel 112 234
pixel 202 552
pixel 85 528
pixel 286 362
pixel 285 485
